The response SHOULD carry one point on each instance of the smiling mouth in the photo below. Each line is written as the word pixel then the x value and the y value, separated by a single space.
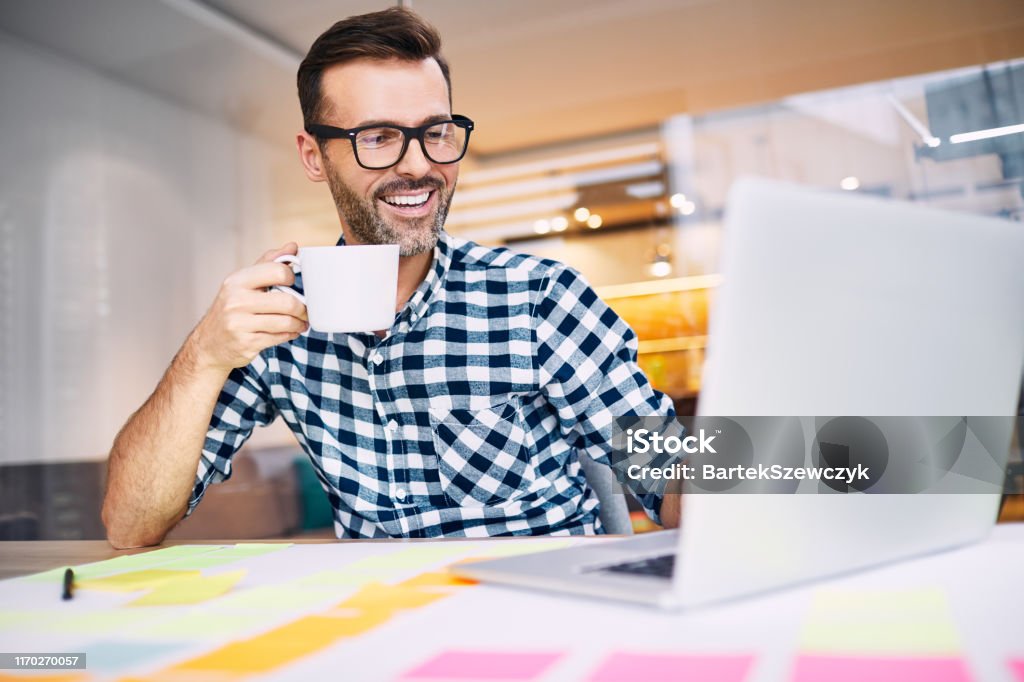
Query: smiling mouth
pixel 407 201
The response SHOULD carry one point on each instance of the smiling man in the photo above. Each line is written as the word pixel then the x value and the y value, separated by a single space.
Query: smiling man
pixel 468 416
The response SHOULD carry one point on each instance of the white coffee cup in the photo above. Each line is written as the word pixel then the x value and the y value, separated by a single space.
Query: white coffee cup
pixel 347 288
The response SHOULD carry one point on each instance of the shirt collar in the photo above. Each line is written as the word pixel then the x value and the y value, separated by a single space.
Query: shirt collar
pixel 426 292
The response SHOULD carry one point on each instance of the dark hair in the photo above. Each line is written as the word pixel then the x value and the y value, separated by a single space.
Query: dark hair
pixel 394 33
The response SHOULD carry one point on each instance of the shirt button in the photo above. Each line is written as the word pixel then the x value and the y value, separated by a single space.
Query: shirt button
pixel 400 494
pixel 377 358
pixel 392 426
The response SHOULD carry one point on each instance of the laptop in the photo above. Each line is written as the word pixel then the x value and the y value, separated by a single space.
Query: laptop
pixel 831 304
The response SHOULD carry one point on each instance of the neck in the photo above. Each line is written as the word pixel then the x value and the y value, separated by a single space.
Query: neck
pixel 412 270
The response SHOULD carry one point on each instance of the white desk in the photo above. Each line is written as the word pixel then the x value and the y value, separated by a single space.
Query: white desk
pixel 982 584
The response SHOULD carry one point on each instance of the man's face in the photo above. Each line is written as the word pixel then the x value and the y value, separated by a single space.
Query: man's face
pixel 395 92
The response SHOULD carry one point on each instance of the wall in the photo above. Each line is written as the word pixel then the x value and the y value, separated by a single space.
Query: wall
pixel 120 213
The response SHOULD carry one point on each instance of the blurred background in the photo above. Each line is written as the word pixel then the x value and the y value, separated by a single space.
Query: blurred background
pixel 148 150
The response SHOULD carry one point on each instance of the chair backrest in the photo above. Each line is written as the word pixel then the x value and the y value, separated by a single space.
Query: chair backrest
pixel 613 511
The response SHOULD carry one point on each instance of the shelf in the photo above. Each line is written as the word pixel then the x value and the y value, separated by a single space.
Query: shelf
pixel 675 343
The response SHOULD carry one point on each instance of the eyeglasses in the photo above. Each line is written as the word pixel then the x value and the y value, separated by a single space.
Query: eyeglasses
pixel 382 146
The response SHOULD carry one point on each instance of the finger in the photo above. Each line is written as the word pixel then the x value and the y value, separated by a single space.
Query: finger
pixel 281 303
pixel 263 275
pixel 268 340
pixel 270 323
pixel 290 248
pixel 263 302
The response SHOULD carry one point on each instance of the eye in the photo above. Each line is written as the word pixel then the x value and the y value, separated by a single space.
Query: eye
pixel 377 137
pixel 439 133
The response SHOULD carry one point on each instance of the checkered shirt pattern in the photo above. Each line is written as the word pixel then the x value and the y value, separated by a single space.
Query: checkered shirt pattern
pixel 468 418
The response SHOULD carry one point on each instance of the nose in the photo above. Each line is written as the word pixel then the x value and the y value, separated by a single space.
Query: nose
pixel 414 164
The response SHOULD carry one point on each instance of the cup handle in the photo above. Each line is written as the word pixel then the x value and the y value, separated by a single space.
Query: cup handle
pixel 292 261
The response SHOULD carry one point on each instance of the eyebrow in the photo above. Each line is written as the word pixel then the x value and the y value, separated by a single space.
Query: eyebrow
pixel 384 122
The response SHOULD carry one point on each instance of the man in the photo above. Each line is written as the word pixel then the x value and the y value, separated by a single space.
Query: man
pixel 467 417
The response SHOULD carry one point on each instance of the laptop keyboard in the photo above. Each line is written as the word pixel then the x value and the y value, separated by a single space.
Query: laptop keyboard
pixel 658 567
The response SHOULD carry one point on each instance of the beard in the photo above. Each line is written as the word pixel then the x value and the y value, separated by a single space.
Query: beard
pixel 412 235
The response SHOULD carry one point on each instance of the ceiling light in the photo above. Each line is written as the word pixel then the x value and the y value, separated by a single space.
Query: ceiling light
pixel 594 221
pixel 559 223
pixel 677 200
pixel 581 213
pixel 542 227
pixel 646 190
pixel 849 183
pixel 661 268
pixel 687 208
pixel 987 133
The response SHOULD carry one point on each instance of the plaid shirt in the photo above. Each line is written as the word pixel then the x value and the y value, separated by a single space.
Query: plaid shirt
pixel 467 419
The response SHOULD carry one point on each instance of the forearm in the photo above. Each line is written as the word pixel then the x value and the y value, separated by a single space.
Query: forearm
pixel 671 509
pixel 153 462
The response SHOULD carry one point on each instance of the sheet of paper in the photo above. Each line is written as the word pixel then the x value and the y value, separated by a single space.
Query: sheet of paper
pixel 378 596
pixel 896 622
pixel 133 581
pixel 80 622
pixel 226 555
pixel 191 590
pixel 275 598
pixel 283 645
pixel 691 668
pixel 128 562
pixel 118 655
pixel 336 578
pixel 459 664
pixel 438 579
pixel 883 669
pixel 192 626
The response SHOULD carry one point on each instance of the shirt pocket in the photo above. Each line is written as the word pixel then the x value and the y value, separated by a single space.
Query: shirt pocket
pixel 483 457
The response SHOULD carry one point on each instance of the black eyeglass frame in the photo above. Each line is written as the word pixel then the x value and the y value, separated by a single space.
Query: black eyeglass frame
pixel 334 133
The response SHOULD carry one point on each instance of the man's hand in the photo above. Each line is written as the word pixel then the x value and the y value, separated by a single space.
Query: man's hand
pixel 672 505
pixel 245 318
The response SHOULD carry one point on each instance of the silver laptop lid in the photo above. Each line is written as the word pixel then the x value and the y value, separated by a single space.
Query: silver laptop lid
pixel 834 304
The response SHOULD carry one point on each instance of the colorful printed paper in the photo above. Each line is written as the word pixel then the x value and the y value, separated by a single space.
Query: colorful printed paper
pixel 671 667
pixel 458 664
pixel 881 669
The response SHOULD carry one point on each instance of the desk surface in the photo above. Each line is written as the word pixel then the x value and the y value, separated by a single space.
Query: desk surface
pixel 959 608
pixel 19 558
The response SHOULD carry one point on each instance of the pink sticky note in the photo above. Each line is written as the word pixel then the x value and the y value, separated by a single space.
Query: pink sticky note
pixel 670 667
pixel 887 669
pixel 483 665
pixel 1017 666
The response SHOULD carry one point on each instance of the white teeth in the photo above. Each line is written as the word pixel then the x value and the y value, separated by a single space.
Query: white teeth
pixel 407 200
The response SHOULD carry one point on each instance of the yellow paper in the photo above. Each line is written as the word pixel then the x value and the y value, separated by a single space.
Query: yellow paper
pixel 880 622
pixel 438 579
pixel 284 644
pixel 134 580
pixel 378 596
pixel 191 590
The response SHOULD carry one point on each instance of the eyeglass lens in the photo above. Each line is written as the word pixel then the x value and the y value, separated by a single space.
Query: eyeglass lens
pixel 381 147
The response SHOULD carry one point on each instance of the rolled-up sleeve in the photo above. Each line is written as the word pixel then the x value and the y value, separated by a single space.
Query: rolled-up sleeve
pixel 243 404
pixel 587 357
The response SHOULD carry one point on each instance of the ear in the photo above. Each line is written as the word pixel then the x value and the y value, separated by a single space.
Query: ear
pixel 309 155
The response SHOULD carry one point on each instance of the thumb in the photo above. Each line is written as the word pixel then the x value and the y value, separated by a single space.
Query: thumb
pixel 291 248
